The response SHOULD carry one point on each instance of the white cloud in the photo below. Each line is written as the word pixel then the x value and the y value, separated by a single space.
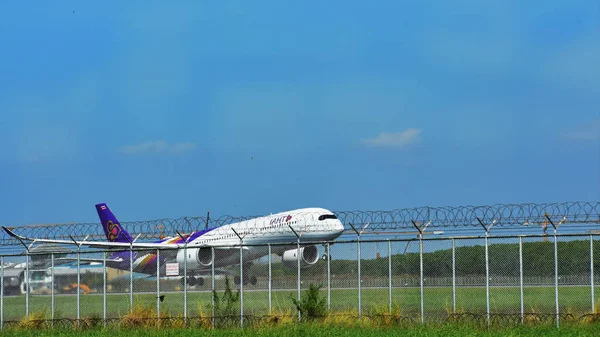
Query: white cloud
pixel 159 146
pixel 396 139
pixel 589 131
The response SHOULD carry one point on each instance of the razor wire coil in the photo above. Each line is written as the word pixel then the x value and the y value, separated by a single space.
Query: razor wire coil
pixel 578 214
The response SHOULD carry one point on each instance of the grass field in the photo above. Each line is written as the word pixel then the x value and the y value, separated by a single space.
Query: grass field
pixel 437 301
pixel 333 331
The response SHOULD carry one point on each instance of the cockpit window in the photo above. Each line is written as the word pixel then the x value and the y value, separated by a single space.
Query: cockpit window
pixel 327 216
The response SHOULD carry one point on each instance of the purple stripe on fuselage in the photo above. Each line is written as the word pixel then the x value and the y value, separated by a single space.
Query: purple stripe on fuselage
pixel 150 267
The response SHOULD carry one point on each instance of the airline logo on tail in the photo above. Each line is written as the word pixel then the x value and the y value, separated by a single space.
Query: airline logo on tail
pixel 111 226
pixel 113 230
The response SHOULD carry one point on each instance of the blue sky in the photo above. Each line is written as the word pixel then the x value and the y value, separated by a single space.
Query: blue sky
pixel 166 109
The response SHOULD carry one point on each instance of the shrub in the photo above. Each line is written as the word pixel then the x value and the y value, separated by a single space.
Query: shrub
pixel 36 320
pixel 311 305
pixel 226 306
pixel 141 316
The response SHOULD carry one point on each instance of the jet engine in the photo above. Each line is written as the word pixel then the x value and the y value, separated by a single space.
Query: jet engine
pixel 309 255
pixel 196 257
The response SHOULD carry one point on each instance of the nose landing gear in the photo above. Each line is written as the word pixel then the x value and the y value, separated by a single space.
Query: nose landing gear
pixel 192 281
pixel 252 280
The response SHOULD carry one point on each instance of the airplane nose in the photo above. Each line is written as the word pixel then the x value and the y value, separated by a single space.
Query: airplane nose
pixel 339 227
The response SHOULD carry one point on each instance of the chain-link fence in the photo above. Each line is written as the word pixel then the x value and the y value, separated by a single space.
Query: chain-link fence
pixel 427 264
pixel 489 279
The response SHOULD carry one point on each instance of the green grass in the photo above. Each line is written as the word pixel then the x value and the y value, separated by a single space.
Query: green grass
pixel 574 300
pixel 334 331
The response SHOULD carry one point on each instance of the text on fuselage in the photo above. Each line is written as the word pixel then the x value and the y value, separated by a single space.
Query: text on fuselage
pixel 280 220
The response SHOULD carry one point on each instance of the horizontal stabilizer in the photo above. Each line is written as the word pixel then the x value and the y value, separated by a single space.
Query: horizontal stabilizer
pixel 71 259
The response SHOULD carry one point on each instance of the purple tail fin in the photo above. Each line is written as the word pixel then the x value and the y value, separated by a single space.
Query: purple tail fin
pixel 112 228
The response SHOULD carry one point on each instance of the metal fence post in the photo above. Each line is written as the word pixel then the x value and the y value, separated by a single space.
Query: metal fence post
pixel 555 266
pixel 131 279
pixel 453 276
pixel 487 268
pixel 158 284
pixel 358 257
pixel 212 286
pixel 1 292
pixel 487 280
pixel 27 279
pixel 104 287
pixel 592 273
pixel 185 276
pixel 52 287
pixel 241 285
pixel 78 283
pixel 521 279
pixel 298 259
pixel 421 286
pixel 421 277
pixel 241 278
pixel 390 276
pixel 328 276
pixel 556 279
pixel 298 273
pixel 269 279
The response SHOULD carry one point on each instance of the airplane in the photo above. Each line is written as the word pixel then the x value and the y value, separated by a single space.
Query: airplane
pixel 281 230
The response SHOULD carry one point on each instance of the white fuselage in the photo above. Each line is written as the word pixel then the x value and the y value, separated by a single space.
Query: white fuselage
pixel 282 231
pixel 275 228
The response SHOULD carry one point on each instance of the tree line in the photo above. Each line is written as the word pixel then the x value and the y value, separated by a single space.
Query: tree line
pixel 538 260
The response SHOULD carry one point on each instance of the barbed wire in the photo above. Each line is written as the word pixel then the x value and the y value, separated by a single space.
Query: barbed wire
pixel 582 215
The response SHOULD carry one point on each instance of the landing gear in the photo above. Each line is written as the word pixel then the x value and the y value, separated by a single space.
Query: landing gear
pixel 252 280
pixel 247 279
pixel 192 281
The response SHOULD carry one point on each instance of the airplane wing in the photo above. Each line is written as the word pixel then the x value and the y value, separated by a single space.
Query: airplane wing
pixel 92 244
pixel 96 244
pixel 66 260
pixel 87 260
